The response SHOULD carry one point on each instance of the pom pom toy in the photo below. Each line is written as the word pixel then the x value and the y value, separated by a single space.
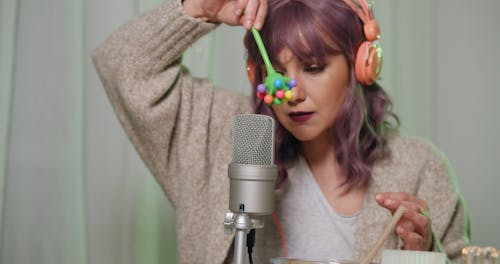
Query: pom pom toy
pixel 276 88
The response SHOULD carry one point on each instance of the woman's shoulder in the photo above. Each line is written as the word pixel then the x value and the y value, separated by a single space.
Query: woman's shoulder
pixel 413 165
pixel 413 155
pixel 405 147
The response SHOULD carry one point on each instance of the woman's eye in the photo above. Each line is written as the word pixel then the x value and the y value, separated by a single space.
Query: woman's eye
pixel 314 68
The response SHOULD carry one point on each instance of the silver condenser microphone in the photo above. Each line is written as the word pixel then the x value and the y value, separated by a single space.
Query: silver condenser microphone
pixel 252 175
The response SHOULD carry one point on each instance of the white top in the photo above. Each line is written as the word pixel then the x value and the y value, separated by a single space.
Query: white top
pixel 312 227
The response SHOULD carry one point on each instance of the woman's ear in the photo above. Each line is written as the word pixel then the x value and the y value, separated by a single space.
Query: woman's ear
pixel 250 67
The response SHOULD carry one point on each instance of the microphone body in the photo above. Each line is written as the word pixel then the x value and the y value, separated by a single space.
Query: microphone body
pixel 252 174
pixel 251 188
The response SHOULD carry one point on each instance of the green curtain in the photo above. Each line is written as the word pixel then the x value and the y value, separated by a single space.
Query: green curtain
pixel 8 18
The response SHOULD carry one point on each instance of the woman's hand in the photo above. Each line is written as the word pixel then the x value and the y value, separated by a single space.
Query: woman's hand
pixel 414 227
pixel 247 13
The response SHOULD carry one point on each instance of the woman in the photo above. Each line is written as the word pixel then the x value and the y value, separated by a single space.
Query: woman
pixel 343 168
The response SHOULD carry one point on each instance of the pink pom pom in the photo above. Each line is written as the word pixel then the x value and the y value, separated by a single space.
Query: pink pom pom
pixel 280 94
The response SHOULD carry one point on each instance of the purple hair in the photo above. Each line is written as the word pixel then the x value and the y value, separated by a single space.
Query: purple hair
pixel 312 30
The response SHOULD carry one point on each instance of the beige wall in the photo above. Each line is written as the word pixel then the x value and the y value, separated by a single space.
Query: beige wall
pixel 467 125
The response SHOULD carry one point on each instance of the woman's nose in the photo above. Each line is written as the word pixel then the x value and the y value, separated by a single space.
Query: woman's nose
pixel 299 94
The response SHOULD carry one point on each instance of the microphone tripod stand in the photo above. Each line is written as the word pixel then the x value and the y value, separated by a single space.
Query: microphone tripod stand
pixel 241 223
pixel 251 197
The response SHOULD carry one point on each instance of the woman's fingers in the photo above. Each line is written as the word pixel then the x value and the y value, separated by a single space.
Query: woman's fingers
pixel 250 13
pixel 392 201
pixel 414 228
pixel 239 7
pixel 420 221
pixel 406 225
pixel 412 240
pixel 253 13
pixel 399 196
pixel 261 15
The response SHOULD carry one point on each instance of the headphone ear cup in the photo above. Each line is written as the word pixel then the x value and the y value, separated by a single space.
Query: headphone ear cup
pixel 359 66
pixel 367 66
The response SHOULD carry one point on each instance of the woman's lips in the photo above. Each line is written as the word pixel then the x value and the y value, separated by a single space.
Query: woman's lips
pixel 300 116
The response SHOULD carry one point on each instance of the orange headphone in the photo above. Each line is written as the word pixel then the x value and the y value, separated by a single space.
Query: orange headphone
pixel 368 62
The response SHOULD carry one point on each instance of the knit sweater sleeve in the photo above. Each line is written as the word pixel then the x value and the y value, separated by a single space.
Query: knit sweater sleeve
pixel 167 114
pixel 439 188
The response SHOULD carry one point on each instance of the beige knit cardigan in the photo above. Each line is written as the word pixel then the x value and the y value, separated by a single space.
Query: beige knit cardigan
pixel 181 127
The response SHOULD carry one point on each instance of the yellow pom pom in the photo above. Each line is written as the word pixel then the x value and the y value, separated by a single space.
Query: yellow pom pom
pixel 288 95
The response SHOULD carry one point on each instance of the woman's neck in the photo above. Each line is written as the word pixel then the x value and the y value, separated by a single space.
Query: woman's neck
pixel 320 156
pixel 319 150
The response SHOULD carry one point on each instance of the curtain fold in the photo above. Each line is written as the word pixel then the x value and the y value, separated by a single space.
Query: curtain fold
pixel 8 19
pixel 408 74
pixel 43 210
pixel 129 218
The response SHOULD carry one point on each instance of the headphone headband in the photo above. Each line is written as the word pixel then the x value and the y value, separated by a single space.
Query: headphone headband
pixel 362 8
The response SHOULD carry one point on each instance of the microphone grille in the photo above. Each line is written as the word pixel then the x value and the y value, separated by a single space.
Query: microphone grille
pixel 253 139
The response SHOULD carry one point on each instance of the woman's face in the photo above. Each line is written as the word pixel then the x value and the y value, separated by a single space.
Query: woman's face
pixel 319 95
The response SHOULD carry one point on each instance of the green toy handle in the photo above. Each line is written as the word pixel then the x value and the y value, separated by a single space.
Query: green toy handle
pixel 262 49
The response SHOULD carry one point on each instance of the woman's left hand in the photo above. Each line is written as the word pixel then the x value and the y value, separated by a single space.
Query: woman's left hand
pixel 414 227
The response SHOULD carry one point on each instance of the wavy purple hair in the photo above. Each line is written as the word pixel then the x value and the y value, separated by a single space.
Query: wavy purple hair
pixel 313 30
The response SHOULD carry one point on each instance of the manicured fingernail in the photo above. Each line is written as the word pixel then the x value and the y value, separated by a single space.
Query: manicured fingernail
pixel 378 196
pixel 238 11
pixel 257 25
pixel 389 202
pixel 400 230
pixel 248 23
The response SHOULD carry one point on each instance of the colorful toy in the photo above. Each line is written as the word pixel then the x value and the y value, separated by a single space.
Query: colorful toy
pixel 276 88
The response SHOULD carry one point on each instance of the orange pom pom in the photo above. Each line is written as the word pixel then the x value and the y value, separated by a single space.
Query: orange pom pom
pixel 268 99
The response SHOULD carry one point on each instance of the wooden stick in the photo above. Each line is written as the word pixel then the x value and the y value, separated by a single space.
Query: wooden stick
pixel 387 231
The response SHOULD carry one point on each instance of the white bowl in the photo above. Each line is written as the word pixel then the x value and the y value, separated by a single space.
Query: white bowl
pixel 412 257
pixel 308 261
